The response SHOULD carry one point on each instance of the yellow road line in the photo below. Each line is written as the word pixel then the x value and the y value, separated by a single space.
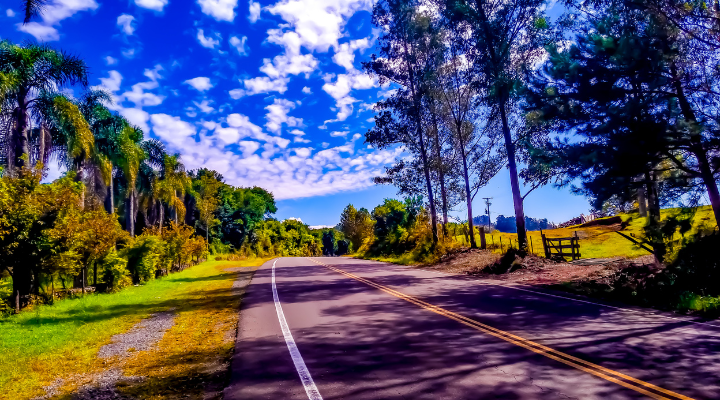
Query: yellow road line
pixel 613 376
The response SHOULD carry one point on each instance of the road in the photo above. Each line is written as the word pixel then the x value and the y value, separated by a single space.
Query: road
pixel 357 329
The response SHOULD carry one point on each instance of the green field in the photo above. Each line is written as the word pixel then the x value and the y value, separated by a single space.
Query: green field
pixel 61 341
pixel 602 241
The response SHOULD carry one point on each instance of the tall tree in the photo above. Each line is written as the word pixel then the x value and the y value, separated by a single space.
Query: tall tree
pixel 207 196
pixel 409 50
pixel 617 92
pixel 32 71
pixel 506 40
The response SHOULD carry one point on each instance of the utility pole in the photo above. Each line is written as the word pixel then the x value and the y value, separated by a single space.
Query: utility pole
pixel 487 211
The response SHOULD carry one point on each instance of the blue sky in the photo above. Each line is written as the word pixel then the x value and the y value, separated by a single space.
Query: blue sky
pixel 267 93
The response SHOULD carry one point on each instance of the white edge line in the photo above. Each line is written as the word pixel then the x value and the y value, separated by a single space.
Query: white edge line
pixel 578 300
pixel 305 377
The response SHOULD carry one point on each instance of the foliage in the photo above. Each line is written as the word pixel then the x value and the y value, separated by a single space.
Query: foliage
pixel 356 225
pixel 144 257
pixel 116 275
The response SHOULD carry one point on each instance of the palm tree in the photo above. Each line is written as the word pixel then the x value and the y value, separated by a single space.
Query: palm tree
pixel 33 8
pixel 32 73
pixel 132 158
pixel 171 186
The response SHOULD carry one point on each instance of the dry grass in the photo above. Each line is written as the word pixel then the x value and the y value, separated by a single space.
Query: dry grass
pixel 601 241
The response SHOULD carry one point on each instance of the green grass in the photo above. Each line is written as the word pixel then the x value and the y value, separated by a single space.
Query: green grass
pixel 601 241
pixel 62 340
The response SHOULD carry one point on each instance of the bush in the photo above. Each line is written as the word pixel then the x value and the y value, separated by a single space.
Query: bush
pixel 218 247
pixel 116 275
pixel 144 256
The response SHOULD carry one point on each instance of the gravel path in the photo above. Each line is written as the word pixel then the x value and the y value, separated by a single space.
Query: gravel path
pixel 141 337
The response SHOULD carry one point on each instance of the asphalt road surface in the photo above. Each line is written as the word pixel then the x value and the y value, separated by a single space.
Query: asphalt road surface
pixel 342 328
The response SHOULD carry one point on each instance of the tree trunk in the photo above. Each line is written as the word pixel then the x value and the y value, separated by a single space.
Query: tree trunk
pixel 79 177
pixel 95 274
pixel 161 214
pixel 433 213
pixel 45 141
pixel 514 182
pixel 657 242
pixel 22 278
pixel 111 196
pixel 130 214
pixel 423 153
pixel 441 172
pixel 83 280
pixel 468 197
pixel 20 140
pixel 697 148
pixel 642 201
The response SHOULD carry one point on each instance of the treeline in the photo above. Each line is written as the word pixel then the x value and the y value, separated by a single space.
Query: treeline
pixel 392 228
pixel 619 95
pixel 126 211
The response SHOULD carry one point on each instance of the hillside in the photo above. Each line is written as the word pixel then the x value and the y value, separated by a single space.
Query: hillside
pixel 601 241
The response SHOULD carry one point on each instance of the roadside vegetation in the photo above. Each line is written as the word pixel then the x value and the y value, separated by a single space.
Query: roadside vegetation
pixel 61 341
pixel 616 99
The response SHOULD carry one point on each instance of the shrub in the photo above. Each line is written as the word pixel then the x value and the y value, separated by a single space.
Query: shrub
pixel 144 257
pixel 116 275
pixel 218 247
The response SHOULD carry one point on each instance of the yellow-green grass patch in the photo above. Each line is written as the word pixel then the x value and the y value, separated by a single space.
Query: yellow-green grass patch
pixel 62 340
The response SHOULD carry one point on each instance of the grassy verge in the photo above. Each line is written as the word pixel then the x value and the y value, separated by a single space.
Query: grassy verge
pixel 601 241
pixel 62 340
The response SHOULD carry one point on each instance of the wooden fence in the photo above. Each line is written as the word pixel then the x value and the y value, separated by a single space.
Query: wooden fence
pixel 555 246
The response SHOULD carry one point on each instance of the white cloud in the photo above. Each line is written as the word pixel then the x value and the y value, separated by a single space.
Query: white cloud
pixel 285 171
pixel 10 13
pixel 155 5
pixel 126 22
pixel 239 44
pixel 110 60
pixel 340 91
pixel 41 33
pixel 136 117
pixel 315 25
pixel 260 84
pixel 140 97
pixel 236 93
pixel 208 42
pixel 112 82
pixel 172 130
pixel 278 115
pixel 201 83
pixel 204 106
pixel 154 74
pixel 284 65
pixel 221 10
pixel 128 53
pixel 339 133
pixel 298 136
pixel 254 12
pixel 345 52
pixel 294 219
pixel 248 147
pixel 307 90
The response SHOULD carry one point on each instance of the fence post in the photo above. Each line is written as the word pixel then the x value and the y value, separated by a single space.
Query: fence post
pixel 576 247
pixel 531 246
pixel 544 243
pixel 483 245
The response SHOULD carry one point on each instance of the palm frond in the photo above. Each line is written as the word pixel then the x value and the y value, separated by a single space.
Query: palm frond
pixel 33 8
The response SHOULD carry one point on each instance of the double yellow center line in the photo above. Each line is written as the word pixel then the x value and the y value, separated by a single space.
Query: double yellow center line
pixel 613 376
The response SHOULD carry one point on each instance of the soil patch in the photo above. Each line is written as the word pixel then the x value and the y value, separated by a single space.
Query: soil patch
pixel 531 269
